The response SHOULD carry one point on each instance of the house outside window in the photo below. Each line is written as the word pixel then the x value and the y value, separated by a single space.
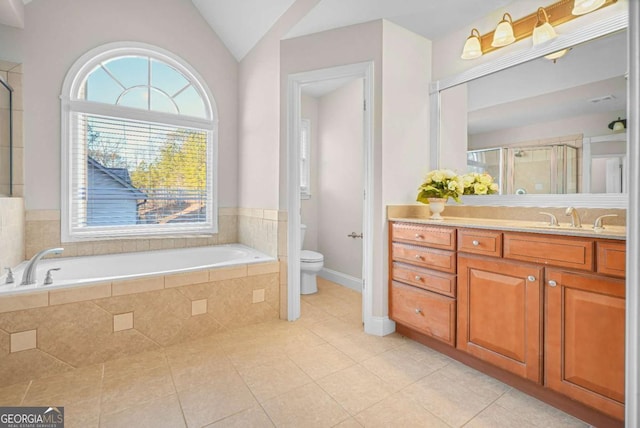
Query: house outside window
pixel 139 141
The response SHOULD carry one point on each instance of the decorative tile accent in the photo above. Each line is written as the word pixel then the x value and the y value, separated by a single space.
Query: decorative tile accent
pixel 258 296
pixel 23 340
pixel 123 321
pixel 198 307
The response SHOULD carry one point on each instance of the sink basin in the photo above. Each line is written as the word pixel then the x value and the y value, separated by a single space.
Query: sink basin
pixel 615 230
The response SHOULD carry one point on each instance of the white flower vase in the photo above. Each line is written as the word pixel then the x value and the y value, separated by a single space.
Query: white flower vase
pixel 436 206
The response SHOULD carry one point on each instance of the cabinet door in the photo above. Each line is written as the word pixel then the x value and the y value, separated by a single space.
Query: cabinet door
pixel 584 339
pixel 499 314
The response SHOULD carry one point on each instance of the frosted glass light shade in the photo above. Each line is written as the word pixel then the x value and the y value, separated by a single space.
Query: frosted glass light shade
pixel 472 47
pixel 503 35
pixel 556 55
pixel 543 33
pixel 580 7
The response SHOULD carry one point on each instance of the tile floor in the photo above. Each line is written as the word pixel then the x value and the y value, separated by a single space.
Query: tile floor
pixel 320 371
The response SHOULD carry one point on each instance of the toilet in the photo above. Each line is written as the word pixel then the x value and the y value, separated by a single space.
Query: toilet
pixel 311 263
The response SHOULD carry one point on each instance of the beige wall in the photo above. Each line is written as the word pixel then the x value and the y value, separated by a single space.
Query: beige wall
pixel 259 114
pixel 58 32
pixel 340 174
pixel 401 115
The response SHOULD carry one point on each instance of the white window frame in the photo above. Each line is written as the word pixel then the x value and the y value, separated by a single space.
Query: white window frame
pixel 305 159
pixel 70 103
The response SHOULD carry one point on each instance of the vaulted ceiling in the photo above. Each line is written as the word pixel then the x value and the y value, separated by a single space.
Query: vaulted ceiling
pixel 242 23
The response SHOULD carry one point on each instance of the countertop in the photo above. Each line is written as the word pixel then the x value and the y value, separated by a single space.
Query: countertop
pixel 541 227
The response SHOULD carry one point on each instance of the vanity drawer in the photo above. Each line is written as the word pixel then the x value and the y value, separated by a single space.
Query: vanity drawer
pixel 486 242
pixel 426 279
pixel 611 258
pixel 576 253
pixel 429 313
pixel 429 258
pixel 420 234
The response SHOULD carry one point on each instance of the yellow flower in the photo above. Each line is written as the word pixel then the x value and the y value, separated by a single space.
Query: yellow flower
pixel 480 189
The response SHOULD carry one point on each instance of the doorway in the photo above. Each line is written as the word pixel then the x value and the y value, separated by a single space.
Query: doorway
pixel 361 72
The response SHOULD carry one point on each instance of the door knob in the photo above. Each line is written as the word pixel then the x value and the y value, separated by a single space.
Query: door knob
pixel 475 243
pixel 418 311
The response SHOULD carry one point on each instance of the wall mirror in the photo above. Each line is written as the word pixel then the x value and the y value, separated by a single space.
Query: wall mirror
pixel 545 129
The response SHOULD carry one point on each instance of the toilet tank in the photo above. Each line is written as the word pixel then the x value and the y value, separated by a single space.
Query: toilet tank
pixel 303 230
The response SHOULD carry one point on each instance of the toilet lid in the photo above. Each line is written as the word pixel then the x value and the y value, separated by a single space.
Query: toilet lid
pixel 310 256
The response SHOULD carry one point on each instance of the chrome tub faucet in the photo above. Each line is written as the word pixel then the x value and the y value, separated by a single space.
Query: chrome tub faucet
pixel 29 275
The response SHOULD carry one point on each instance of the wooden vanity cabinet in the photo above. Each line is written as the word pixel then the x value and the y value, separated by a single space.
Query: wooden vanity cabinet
pixel 422 285
pixel 584 338
pixel 549 309
pixel 500 313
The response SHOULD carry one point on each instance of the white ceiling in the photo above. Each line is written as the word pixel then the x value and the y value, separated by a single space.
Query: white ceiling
pixel 242 23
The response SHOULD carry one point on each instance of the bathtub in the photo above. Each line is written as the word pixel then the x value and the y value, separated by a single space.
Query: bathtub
pixel 86 270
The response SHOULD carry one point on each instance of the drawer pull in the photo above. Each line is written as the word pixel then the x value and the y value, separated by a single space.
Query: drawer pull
pixel 418 278
pixel 475 243
pixel 552 283
pixel 531 278
pixel 418 311
pixel 418 236
pixel 418 257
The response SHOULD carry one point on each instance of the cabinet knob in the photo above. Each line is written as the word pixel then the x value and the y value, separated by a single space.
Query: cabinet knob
pixel 418 257
pixel 418 311
pixel 531 278
pixel 475 243
pixel 418 278
pixel 418 236
pixel 552 283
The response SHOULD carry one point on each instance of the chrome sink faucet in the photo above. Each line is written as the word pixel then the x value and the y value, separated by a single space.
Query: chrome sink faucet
pixel 575 217
pixel 29 275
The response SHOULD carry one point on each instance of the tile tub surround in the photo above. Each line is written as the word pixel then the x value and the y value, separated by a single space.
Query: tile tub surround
pixel 256 228
pixel 81 326
pixel 11 232
pixel 269 374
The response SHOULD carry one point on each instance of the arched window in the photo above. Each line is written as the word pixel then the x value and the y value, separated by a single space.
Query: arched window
pixel 139 146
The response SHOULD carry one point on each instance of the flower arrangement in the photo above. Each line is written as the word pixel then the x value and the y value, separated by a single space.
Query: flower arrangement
pixel 479 184
pixel 441 183
pixel 445 184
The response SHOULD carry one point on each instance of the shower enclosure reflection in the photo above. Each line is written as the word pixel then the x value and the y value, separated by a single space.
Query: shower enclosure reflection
pixel 5 138
pixel 544 169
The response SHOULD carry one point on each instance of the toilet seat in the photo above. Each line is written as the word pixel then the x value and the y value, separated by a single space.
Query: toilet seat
pixel 310 256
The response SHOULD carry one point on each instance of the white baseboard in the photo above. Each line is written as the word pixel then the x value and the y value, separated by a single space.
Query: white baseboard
pixel 380 326
pixel 342 279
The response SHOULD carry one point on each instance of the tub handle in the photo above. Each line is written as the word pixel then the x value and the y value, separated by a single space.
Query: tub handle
pixel 9 279
pixel 48 279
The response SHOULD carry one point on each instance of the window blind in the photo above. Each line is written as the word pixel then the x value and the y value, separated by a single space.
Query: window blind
pixel 133 173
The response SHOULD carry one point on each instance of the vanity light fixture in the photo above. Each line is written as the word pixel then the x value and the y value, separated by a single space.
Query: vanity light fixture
pixel 543 31
pixel 539 25
pixel 472 47
pixel 582 7
pixel 618 125
pixel 503 35
pixel 554 56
